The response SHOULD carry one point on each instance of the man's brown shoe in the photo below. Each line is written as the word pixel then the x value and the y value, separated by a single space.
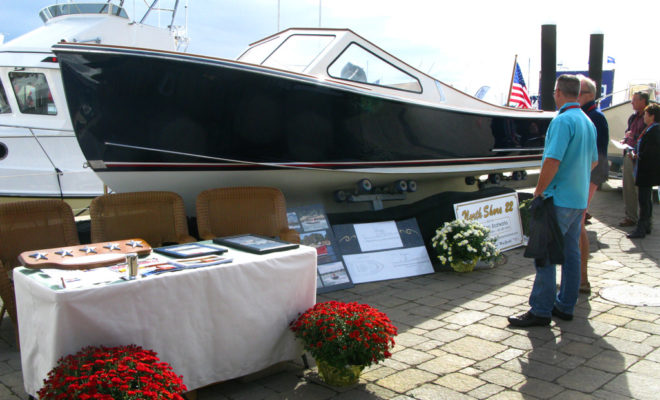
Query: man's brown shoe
pixel 627 222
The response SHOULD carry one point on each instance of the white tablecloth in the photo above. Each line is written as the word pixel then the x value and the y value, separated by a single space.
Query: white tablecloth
pixel 210 324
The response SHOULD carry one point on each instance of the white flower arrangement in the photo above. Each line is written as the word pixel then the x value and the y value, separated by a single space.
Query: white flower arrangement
pixel 461 241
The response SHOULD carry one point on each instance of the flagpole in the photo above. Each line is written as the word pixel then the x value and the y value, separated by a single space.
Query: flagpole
pixel 513 73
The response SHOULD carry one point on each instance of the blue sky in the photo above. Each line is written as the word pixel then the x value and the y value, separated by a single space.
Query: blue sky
pixel 464 43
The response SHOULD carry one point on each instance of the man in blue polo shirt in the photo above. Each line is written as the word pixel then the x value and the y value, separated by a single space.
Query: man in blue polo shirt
pixel 569 156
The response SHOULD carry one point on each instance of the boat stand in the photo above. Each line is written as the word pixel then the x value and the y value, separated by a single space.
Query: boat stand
pixel 375 199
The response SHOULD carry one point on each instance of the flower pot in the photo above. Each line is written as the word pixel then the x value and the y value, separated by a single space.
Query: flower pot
pixel 464 266
pixel 346 376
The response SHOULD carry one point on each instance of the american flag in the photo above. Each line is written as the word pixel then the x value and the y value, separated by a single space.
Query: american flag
pixel 519 96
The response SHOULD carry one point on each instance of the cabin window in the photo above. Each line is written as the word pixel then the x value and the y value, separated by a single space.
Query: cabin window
pixel 298 51
pixel 32 93
pixel 360 65
pixel 258 53
pixel 4 104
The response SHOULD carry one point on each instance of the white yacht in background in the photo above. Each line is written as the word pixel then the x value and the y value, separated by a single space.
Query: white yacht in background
pixel 39 153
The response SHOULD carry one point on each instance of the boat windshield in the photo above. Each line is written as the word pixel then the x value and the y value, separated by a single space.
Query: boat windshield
pixel 59 10
pixel 32 93
pixel 4 104
pixel 258 53
pixel 298 52
pixel 360 65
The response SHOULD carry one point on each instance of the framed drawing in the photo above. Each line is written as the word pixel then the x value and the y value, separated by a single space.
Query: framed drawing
pixel 189 250
pixel 255 243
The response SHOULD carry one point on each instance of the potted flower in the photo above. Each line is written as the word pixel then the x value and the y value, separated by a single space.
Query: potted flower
pixel 125 372
pixel 461 244
pixel 344 338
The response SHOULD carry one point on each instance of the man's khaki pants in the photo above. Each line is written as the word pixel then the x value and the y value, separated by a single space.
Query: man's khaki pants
pixel 629 188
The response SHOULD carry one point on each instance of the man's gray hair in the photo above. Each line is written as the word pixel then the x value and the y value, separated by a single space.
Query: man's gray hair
pixel 591 85
pixel 569 85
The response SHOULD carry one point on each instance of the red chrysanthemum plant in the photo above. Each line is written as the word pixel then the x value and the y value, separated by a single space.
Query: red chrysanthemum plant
pixel 110 373
pixel 344 334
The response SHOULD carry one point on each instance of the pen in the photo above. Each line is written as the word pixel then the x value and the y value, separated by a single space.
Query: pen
pixel 63 284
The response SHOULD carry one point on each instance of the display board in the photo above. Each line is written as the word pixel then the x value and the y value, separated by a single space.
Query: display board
pixel 312 224
pixel 383 250
pixel 498 213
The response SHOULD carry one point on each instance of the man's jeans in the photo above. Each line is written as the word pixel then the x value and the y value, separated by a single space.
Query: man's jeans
pixel 544 293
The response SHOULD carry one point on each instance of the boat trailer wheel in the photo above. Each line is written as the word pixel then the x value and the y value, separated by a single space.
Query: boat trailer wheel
pixel 400 186
pixel 494 178
pixel 364 186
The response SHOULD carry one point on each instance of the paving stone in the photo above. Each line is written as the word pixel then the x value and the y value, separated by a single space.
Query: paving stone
pixel 486 332
pixel 495 321
pixel 446 364
pixel 519 341
pixel 612 319
pixel 502 377
pixel 430 324
pixel 466 317
pixel 648 368
pixel 583 350
pixel 644 326
pixel 444 335
pixel 411 357
pixel 406 380
pixel 486 391
pixel 459 382
pixel 512 300
pixel 585 379
pixel 509 354
pixel 637 349
pixel 607 395
pixel 487 364
pixel 633 314
pixel 612 361
pixel 408 339
pixel 571 362
pixel 510 395
pixel 629 334
pixel 436 392
pixel 534 369
pixel 378 373
pixel 635 385
pixel 572 395
pixel 428 345
pixel 539 388
pixel 473 348
pixel 476 305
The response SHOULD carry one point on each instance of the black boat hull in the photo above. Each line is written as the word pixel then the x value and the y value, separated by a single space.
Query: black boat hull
pixel 137 111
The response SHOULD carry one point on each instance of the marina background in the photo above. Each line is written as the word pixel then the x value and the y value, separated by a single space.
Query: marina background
pixel 464 44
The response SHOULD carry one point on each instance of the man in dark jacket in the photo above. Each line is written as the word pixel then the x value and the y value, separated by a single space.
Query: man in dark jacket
pixel 647 171
pixel 635 127
pixel 599 174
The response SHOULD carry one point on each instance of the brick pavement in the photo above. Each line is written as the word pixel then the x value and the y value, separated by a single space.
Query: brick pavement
pixel 454 341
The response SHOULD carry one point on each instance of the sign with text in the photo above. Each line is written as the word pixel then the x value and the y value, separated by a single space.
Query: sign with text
pixel 498 213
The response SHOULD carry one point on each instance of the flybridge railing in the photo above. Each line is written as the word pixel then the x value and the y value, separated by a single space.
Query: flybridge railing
pixel 59 10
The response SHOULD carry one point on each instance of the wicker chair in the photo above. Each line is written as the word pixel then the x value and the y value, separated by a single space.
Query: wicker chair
pixel 238 210
pixel 157 217
pixel 30 225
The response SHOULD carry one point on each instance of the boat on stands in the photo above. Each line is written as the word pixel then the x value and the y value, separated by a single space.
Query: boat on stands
pixel 309 111
pixel 39 153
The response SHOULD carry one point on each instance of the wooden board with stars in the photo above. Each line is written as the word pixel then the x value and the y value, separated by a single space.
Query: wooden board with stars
pixel 84 256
